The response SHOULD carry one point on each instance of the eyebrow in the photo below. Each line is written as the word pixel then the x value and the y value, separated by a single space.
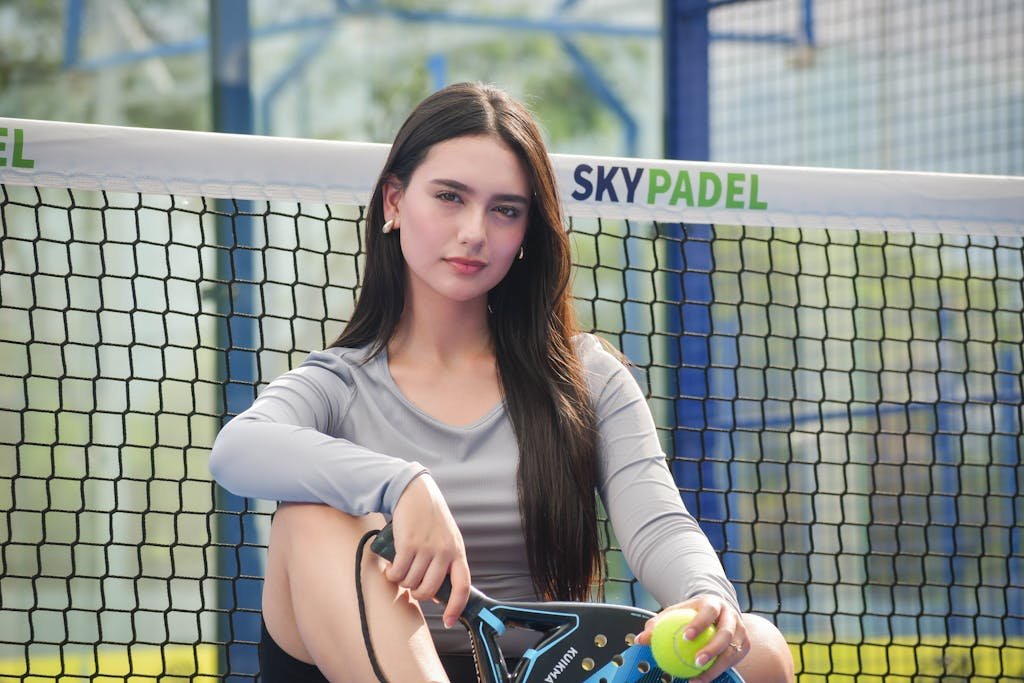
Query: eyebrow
pixel 462 187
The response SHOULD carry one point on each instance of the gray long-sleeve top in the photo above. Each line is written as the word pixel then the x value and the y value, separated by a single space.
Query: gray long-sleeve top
pixel 339 431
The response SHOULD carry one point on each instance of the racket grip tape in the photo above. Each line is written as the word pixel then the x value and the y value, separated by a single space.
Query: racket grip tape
pixel 384 545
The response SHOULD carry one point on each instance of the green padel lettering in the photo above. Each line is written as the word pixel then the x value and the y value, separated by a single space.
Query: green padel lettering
pixel 731 190
pixel 683 189
pixel 710 189
pixel 17 156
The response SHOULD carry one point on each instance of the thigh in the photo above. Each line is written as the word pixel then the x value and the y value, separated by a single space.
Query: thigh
pixel 296 532
pixel 310 603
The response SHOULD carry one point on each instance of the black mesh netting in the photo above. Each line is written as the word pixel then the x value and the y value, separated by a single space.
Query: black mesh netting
pixel 841 409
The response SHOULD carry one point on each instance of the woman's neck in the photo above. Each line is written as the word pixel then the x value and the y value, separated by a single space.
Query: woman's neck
pixel 444 332
pixel 442 361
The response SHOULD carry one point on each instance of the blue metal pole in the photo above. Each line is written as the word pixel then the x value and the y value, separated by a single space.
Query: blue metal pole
pixel 72 32
pixel 689 263
pixel 1007 402
pixel 240 563
pixel 687 103
pixel 437 67
pixel 556 25
pixel 807 27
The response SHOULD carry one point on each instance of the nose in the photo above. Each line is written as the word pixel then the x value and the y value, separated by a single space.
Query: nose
pixel 472 229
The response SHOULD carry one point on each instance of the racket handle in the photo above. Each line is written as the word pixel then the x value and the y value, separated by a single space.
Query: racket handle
pixel 384 545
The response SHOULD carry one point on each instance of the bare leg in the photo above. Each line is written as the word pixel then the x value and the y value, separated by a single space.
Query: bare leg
pixel 310 608
pixel 769 659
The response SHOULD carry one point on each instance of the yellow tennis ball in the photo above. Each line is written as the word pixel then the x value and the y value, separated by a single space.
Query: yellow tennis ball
pixel 672 652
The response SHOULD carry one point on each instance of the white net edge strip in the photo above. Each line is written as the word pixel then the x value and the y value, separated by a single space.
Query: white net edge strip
pixel 220 165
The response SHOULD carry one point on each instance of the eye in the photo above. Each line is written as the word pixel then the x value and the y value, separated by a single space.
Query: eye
pixel 509 211
pixel 448 196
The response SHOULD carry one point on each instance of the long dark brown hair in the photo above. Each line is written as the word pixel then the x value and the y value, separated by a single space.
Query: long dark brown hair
pixel 532 325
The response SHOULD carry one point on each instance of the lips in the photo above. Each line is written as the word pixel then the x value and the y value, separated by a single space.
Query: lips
pixel 465 266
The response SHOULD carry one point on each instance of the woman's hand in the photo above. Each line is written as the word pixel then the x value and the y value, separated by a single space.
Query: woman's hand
pixel 730 642
pixel 429 547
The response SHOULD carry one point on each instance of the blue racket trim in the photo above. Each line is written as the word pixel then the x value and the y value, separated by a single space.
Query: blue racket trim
pixel 730 676
pixel 491 658
pixel 532 654
pixel 492 621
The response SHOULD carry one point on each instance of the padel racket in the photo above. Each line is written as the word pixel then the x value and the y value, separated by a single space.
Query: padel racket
pixel 578 642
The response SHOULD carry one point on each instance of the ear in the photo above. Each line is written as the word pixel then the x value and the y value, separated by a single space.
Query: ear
pixel 391 192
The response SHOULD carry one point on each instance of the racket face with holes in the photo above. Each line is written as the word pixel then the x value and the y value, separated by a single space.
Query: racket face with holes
pixel 578 638
pixel 578 643
pixel 634 665
pixel 637 665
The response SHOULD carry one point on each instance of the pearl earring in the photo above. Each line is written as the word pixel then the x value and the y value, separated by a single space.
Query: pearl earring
pixel 388 226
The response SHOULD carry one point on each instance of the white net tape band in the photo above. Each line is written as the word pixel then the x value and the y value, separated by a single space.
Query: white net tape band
pixel 120 159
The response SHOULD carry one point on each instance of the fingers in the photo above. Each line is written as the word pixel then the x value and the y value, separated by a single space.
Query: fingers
pixel 408 569
pixel 422 571
pixel 432 579
pixel 706 615
pixel 460 592
pixel 424 575
pixel 729 644
pixel 644 637
pixel 428 546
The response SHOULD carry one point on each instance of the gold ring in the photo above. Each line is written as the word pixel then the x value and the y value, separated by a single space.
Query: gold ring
pixel 736 646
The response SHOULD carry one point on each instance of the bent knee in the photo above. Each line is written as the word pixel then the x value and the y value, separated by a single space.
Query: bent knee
pixel 769 660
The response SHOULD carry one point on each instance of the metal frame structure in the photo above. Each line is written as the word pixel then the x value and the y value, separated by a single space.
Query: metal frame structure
pixel 681 34
pixel 685 36
pixel 239 618
pixel 687 135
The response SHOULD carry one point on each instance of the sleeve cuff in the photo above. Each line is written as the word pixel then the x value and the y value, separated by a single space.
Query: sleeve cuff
pixel 398 485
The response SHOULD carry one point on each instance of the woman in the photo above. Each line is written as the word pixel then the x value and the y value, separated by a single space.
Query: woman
pixel 462 401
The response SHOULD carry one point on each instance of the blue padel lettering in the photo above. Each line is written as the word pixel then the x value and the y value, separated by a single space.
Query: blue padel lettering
pixel 632 182
pixel 605 186
pixel 583 185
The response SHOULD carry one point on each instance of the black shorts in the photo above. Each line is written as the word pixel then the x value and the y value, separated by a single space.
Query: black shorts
pixel 277 666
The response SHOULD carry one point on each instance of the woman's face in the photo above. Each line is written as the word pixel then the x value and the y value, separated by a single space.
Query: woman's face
pixel 461 218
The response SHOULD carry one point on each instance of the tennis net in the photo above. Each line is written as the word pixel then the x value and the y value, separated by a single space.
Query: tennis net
pixel 834 359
